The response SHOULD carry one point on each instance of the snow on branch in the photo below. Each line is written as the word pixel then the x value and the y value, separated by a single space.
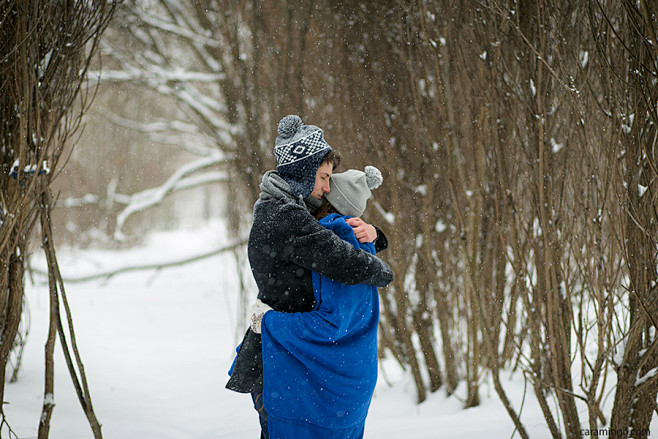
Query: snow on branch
pixel 85 200
pixel 158 126
pixel 169 74
pixel 173 28
pixel 95 77
pixel 184 17
pixel 653 373
pixel 165 82
pixel 171 132
pixel 204 106
pixel 107 274
pixel 178 181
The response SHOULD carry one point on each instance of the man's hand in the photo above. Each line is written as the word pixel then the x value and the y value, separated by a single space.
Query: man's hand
pixel 364 232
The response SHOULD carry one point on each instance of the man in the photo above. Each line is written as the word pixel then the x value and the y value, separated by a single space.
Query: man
pixel 286 243
pixel 320 367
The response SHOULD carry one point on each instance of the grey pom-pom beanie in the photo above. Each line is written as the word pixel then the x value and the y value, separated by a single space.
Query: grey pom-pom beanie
pixel 351 189
pixel 299 150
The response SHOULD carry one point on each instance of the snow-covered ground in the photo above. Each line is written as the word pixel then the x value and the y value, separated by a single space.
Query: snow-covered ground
pixel 156 347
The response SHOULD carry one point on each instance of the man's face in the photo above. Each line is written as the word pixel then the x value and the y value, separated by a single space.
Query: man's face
pixel 322 180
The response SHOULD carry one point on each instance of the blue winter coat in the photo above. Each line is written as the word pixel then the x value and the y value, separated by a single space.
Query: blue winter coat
pixel 320 367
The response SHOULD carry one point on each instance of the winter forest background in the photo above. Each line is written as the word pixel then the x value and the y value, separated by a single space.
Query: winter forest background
pixel 518 142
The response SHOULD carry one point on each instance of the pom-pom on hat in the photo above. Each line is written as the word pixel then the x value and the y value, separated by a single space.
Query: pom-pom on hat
pixel 299 150
pixel 351 189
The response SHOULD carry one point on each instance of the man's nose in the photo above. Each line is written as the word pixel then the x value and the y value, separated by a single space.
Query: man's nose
pixel 326 189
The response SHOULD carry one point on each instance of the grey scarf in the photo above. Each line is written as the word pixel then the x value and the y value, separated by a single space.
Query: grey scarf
pixel 274 187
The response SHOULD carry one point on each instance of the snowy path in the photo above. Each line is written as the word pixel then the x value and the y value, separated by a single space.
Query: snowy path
pixel 156 347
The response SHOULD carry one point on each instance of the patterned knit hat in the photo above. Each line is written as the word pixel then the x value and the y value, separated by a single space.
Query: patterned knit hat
pixel 350 190
pixel 299 150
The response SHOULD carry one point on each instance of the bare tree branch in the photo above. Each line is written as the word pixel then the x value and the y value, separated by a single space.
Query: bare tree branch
pixel 177 181
pixel 107 274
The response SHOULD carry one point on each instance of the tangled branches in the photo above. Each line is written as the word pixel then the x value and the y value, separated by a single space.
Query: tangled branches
pixel 45 51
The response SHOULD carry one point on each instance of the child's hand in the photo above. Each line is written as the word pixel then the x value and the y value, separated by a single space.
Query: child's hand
pixel 363 231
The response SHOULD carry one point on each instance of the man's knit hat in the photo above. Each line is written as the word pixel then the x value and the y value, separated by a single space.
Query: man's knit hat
pixel 351 189
pixel 299 150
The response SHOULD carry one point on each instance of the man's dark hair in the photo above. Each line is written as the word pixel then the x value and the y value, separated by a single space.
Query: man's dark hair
pixel 334 158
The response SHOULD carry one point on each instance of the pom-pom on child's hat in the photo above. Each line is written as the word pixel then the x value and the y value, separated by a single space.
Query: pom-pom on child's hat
pixel 299 150
pixel 351 189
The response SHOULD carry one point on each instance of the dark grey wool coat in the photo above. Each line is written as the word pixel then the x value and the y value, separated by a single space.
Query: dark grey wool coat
pixel 286 244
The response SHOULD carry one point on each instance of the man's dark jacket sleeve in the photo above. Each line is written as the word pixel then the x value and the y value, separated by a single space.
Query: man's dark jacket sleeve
pixel 321 250
pixel 381 242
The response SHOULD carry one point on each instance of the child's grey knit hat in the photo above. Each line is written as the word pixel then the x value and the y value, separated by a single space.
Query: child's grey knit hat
pixel 299 150
pixel 350 190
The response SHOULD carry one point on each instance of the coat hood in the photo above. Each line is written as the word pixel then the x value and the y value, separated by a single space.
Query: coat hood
pixel 274 187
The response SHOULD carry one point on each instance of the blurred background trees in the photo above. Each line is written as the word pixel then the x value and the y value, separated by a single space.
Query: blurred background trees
pixel 518 144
